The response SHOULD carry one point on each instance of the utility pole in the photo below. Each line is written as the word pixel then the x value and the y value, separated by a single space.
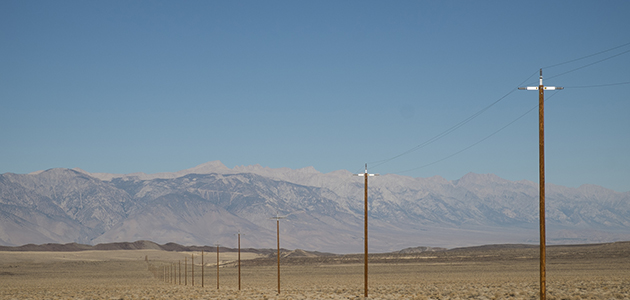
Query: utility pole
pixel 179 268
pixel 541 152
pixel 217 264
pixel 201 268
pixel 277 218
pixel 185 270
pixel 365 238
pixel 239 260
pixel 192 268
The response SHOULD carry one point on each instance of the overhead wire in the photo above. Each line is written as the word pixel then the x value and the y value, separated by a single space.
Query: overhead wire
pixel 475 115
pixel 476 143
pixel 504 127
pixel 587 56
pixel 449 130
pixel 588 65
pixel 597 85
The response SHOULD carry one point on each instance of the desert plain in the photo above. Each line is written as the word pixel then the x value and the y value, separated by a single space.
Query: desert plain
pixel 596 271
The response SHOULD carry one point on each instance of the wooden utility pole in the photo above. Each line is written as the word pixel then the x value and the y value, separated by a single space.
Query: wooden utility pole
pixel 365 238
pixel 179 268
pixel 541 165
pixel 201 268
pixel 186 270
pixel 277 218
pixel 239 260
pixel 218 265
pixel 192 268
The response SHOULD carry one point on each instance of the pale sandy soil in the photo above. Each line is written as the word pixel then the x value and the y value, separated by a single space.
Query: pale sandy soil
pixel 124 274
pixel 123 255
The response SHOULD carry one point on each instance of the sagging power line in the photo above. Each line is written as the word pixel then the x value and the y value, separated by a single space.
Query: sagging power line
pixel 587 56
pixel 451 129
pixel 475 115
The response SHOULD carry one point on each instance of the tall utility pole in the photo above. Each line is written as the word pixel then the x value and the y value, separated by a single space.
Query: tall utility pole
pixel 277 218
pixel 541 152
pixel 365 238
pixel 186 270
pixel 179 268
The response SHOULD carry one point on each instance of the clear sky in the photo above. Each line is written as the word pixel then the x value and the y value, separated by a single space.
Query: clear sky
pixel 161 86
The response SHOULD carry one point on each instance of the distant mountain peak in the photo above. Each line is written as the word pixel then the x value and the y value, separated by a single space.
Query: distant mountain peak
pixel 309 169
pixel 474 178
pixel 215 166
pixel 80 171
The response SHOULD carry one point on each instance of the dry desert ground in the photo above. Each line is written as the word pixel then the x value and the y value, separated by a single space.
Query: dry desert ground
pixel 491 272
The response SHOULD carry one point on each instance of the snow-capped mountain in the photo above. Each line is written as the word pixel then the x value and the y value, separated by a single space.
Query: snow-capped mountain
pixel 209 203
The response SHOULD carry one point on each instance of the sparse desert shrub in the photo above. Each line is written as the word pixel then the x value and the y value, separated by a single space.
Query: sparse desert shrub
pixel 619 296
pixel 419 297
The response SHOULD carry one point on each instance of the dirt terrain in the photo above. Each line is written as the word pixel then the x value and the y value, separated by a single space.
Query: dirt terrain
pixel 487 272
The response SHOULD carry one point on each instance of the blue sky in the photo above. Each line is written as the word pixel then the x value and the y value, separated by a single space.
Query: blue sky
pixel 152 86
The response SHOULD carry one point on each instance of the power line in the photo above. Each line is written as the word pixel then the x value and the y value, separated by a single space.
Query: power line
pixel 588 65
pixel 475 115
pixel 591 55
pixel 449 130
pixel 597 85
pixel 476 143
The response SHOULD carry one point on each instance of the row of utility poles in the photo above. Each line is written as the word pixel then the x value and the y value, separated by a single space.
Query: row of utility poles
pixel 541 165
pixel 540 88
pixel 172 273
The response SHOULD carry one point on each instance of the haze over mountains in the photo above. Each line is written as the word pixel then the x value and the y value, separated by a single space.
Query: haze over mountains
pixel 209 203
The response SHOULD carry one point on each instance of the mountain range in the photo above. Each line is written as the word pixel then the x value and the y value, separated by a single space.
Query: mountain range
pixel 210 203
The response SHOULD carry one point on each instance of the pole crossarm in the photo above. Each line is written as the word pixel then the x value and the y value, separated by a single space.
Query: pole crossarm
pixel 547 88
pixel 541 86
pixel 366 174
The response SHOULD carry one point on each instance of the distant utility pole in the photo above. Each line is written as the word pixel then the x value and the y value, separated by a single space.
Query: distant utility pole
pixel 201 268
pixel 541 152
pixel 239 260
pixel 192 268
pixel 217 264
pixel 365 238
pixel 185 270
pixel 277 218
